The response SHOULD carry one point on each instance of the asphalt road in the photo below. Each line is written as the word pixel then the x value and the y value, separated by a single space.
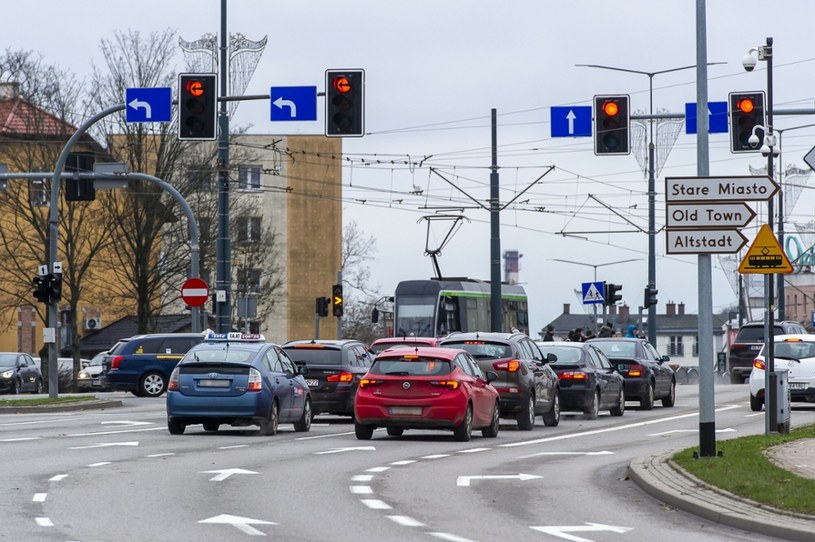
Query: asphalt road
pixel 117 474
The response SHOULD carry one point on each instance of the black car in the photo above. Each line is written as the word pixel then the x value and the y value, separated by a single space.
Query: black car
pixel 19 373
pixel 748 343
pixel 588 381
pixel 526 383
pixel 647 375
pixel 334 368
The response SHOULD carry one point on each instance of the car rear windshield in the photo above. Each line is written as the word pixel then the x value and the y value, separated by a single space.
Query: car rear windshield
pixel 377 348
pixel 315 356
pixel 564 353
pixel 411 367
pixel 117 347
pixel 794 349
pixel 217 355
pixel 755 334
pixel 482 349
pixel 617 349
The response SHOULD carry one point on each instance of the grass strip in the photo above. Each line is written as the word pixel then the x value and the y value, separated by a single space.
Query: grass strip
pixel 37 401
pixel 745 470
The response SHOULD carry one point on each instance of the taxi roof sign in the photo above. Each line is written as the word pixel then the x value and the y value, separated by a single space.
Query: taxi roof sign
pixel 765 255
pixel 234 336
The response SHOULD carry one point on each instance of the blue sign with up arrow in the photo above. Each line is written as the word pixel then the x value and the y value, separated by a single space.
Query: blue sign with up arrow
pixel 571 121
pixel 293 103
pixel 148 104
pixel 717 118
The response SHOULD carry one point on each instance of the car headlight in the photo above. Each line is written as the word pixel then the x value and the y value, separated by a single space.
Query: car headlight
pixel 83 374
pixel 7 374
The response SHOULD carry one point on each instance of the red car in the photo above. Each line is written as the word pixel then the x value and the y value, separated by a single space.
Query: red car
pixel 392 342
pixel 426 388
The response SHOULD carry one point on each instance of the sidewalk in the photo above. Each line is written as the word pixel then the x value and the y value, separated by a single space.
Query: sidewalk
pixel 661 478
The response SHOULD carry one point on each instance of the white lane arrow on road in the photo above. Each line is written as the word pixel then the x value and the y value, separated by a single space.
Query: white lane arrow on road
pixel 244 524
pixel 464 481
pixel 223 474
pixel 570 116
pixel 726 430
pixel 136 104
pixel 563 532
pixel 349 449
pixel 280 103
pixel 105 445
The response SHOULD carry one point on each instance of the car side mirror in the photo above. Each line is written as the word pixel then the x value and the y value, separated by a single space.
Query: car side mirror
pixel 666 358
pixel 491 375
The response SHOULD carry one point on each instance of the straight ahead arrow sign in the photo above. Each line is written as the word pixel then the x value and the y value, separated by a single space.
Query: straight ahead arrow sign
pixel 464 481
pixel 244 524
pixel 223 474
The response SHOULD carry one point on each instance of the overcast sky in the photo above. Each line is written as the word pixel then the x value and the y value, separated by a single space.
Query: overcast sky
pixel 435 69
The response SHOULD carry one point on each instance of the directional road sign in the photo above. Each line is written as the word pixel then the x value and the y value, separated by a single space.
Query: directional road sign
pixel 716 118
pixel 194 292
pixel 809 158
pixel 293 103
pixel 709 215
pixel 765 255
pixel 149 104
pixel 704 241
pixel 696 189
pixel 571 121
pixel 593 293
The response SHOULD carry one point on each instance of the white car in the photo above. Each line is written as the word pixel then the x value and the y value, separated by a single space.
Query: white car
pixel 795 353
pixel 88 378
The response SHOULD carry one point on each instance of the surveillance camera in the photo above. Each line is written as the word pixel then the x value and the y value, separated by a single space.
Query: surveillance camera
pixel 753 140
pixel 776 151
pixel 749 62
pixel 765 150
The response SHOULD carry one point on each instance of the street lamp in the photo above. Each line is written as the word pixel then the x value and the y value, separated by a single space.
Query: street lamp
pixel 652 267
pixel 595 266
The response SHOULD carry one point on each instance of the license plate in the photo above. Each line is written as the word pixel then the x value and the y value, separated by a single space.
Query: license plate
pixel 406 410
pixel 312 383
pixel 96 382
pixel 798 385
pixel 214 383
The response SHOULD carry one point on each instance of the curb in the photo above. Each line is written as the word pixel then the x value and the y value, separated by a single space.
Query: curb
pixel 62 407
pixel 661 478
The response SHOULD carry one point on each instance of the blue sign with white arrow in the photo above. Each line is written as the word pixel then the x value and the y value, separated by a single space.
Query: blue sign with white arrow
pixel 294 103
pixel 716 118
pixel 594 293
pixel 148 104
pixel 571 121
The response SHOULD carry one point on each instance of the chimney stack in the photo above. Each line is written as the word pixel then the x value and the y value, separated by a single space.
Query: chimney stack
pixel 681 309
pixel 670 309
pixel 565 308
pixel 624 312
pixel 9 91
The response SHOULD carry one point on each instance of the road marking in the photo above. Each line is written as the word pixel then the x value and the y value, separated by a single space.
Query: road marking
pixel 436 456
pixel 562 532
pixel 105 445
pixel 58 477
pixel 754 415
pixel 100 464
pixel 362 490
pixel 126 422
pixel 325 436
pixel 160 455
pixel 450 537
pixel 223 474
pixel 474 450
pixel 39 497
pixel 37 422
pixel 375 504
pixel 44 522
pixel 604 452
pixel 362 478
pixel 19 439
pixel 97 433
pixel 377 469
pixel 727 430
pixel 241 523
pixel 403 462
pixel 348 449
pixel 233 447
pixel 464 481
pixel 405 521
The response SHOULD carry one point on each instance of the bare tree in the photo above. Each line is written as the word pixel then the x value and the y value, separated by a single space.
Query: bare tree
pixel 358 249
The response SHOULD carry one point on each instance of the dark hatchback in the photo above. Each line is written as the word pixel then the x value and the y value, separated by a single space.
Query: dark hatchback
pixel 647 374
pixel 334 369
pixel 748 343
pixel 527 385
pixel 19 373
pixel 588 381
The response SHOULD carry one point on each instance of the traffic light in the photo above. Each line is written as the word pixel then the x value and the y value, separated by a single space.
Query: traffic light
pixel 336 300
pixel 54 286
pixel 746 112
pixel 611 295
pixel 41 288
pixel 344 103
pixel 650 296
pixel 197 99
pixel 322 306
pixel 611 125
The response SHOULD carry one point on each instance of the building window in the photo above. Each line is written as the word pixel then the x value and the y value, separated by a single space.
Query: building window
pixel 696 346
pixel 200 177
pixel 248 229
pixel 248 280
pixel 676 348
pixel 38 193
pixel 248 177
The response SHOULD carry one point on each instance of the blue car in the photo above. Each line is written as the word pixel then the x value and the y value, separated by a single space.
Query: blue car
pixel 237 379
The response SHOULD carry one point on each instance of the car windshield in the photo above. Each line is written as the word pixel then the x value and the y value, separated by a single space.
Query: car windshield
pixel 8 360
pixel 482 349
pixel 218 355
pixel 117 347
pixel 614 349
pixel 411 367
pixel 97 359
pixel 315 356
pixel 377 348
pixel 564 353
pixel 793 349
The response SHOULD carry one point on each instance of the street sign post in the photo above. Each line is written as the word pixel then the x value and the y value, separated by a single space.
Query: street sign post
pixel 704 241
pixel 716 115
pixel 709 215
pixel 765 255
pixel 293 103
pixel 194 292
pixel 593 293
pixel 149 104
pixel 695 189
pixel 570 121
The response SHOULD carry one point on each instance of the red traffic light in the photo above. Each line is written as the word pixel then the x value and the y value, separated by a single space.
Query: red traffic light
pixel 195 87
pixel 611 108
pixel 745 105
pixel 342 84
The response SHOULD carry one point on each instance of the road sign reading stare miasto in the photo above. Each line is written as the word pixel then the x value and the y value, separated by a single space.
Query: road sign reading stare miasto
pixel 696 189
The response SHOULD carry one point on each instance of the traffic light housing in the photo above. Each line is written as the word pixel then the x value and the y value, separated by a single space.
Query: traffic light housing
pixel 54 286
pixel 336 300
pixel 77 189
pixel 344 103
pixel 611 293
pixel 746 112
pixel 41 288
pixel 650 296
pixel 197 111
pixel 322 304
pixel 611 125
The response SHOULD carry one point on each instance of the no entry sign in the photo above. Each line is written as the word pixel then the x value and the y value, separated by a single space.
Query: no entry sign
pixel 195 292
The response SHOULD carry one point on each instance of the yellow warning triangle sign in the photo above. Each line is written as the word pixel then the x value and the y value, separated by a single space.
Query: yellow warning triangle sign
pixel 765 255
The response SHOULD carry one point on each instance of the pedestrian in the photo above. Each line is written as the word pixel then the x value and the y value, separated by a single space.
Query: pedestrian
pixel 589 334
pixel 549 336
pixel 573 336
pixel 632 328
pixel 605 331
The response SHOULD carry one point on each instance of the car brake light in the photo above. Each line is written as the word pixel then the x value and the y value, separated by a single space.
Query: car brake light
pixel 366 382
pixel 449 384
pixel 114 363
pixel 173 385
pixel 255 382
pixel 572 375
pixel 635 370
pixel 340 377
pixel 758 363
pixel 511 366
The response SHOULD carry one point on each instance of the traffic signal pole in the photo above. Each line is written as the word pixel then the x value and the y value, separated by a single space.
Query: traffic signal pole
pixel 223 246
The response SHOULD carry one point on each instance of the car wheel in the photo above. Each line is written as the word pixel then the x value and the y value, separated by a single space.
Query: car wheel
pixel 619 410
pixel 526 417
pixel 464 431
pixel 175 427
pixel 37 386
pixel 152 385
pixel 395 431
pixel 756 403
pixel 268 427
pixel 211 426
pixel 304 423
pixel 670 399
pixel 492 430
pixel 552 418
pixel 363 432
pixel 16 386
pixel 647 401
pixel 593 410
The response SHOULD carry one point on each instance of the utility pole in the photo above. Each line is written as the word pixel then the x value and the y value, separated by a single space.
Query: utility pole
pixel 223 245
pixel 496 315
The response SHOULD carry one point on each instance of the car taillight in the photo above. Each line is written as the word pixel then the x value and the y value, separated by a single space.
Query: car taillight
pixel 510 366
pixel 635 370
pixel 172 385
pixel 114 363
pixel 340 377
pixel 572 375
pixel 449 384
pixel 758 363
pixel 366 382
pixel 255 382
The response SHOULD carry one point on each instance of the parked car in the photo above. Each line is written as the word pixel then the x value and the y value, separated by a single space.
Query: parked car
pixel 334 368
pixel 142 364
pixel 237 379
pixel 749 342
pixel 90 377
pixel 796 353
pixel 588 381
pixel 426 388
pixel 392 342
pixel 65 372
pixel 19 373
pixel 526 383
pixel 647 373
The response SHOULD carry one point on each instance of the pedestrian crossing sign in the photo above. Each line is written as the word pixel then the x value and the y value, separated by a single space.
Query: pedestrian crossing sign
pixel 765 255
pixel 593 293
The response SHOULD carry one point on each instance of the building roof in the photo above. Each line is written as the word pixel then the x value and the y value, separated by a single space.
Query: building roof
pixel 18 117
pixel 127 326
